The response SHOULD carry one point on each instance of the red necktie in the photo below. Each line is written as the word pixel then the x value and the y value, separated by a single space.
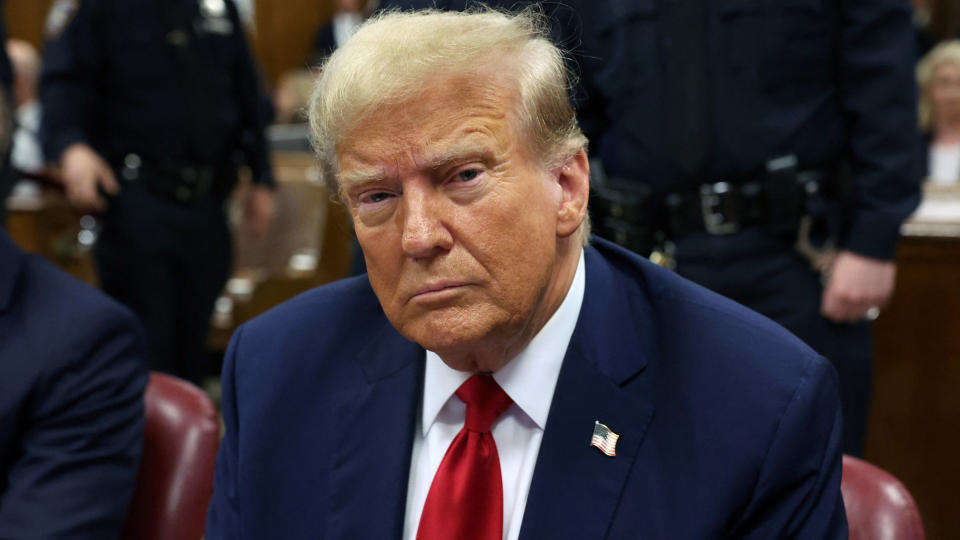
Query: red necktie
pixel 465 501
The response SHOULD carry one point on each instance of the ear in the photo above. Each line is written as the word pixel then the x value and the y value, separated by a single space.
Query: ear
pixel 574 179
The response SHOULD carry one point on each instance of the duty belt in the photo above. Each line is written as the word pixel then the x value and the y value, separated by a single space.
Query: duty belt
pixel 183 183
pixel 721 208
pixel 718 208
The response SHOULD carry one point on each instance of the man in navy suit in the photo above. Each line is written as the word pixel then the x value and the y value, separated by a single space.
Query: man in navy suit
pixel 72 375
pixel 496 375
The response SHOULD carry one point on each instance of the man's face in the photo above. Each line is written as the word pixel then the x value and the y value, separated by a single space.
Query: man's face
pixel 458 225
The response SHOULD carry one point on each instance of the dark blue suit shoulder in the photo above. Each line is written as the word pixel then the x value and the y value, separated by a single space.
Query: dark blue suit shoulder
pixel 63 320
pixel 341 303
pixel 698 329
pixel 316 335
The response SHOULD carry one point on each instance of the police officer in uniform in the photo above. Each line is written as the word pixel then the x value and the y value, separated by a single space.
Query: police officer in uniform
pixel 766 149
pixel 150 107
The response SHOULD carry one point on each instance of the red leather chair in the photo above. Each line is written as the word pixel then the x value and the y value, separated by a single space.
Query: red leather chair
pixel 878 506
pixel 176 471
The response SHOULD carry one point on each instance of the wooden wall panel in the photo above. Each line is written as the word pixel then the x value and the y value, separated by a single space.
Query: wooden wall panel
pixel 25 19
pixel 914 427
pixel 285 32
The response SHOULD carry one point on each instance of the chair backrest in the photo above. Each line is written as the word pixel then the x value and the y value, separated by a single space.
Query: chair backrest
pixel 175 482
pixel 878 506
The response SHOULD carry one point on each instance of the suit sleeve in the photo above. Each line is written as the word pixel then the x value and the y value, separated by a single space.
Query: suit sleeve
pixel 797 494
pixel 71 62
pixel 223 516
pixel 880 101
pixel 79 455
pixel 255 109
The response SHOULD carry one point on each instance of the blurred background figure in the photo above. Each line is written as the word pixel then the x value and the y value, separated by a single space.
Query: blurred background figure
pixel 938 75
pixel 346 19
pixel 150 108
pixel 26 154
pixel 292 95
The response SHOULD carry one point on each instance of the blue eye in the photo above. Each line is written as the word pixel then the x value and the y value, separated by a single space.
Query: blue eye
pixel 468 175
pixel 375 197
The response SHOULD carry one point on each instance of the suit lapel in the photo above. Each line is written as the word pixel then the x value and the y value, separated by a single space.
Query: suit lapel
pixel 375 421
pixel 576 488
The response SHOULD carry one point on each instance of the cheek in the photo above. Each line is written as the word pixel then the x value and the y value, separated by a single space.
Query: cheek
pixel 520 251
pixel 943 96
pixel 383 258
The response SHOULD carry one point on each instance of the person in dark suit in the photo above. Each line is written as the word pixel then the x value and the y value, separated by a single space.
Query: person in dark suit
pixel 346 19
pixel 72 377
pixel 496 374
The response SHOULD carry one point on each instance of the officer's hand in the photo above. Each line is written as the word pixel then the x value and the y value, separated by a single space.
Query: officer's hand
pixel 258 210
pixel 83 170
pixel 856 285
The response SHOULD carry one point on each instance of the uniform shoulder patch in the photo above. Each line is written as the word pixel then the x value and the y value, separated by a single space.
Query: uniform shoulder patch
pixel 61 13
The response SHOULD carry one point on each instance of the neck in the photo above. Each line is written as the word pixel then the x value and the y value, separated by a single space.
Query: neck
pixel 947 129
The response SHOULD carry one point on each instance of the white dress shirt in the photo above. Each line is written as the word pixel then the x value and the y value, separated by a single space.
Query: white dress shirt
pixel 27 154
pixel 944 164
pixel 344 25
pixel 529 380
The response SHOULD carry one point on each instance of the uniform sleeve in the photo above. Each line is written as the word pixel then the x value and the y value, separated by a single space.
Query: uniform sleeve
pixel 79 455
pixel 797 494
pixel 880 101
pixel 71 63
pixel 255 109
pixel 223 515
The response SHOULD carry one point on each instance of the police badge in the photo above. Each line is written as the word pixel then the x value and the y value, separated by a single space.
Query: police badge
pixel 214 19
pixel 61 13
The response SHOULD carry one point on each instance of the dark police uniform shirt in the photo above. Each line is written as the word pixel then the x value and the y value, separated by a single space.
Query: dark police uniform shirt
pixel 824 80
pixel 114 78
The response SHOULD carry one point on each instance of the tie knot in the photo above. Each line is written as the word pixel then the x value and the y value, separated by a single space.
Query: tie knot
pixel 485 401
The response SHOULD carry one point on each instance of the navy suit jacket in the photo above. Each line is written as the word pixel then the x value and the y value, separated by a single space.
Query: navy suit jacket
pixel 729 426
pixel 72 375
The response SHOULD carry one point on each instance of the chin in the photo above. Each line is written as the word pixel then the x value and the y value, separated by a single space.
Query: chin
pixel 447 330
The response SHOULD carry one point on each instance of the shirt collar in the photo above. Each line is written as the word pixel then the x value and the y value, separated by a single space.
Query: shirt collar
pixel 530 378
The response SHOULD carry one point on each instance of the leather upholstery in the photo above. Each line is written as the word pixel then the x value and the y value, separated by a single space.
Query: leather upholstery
pixel 878 506
pixel 176 472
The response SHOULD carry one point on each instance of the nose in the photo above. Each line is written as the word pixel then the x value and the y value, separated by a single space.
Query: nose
pixel 425 233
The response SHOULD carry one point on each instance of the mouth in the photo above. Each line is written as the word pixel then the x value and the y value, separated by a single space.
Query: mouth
pixel 439 290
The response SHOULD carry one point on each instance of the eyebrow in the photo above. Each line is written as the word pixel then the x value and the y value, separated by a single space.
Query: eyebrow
pixel 461 150
pixel 355 177
pixel 467 147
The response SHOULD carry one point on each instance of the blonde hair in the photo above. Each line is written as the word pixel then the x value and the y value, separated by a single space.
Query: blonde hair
pixel 394 55
pixel 948 51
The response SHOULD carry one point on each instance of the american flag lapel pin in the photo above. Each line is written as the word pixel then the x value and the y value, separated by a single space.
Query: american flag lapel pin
pixel 604 439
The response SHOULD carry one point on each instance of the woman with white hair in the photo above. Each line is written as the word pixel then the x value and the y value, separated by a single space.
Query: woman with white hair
pixel 938 74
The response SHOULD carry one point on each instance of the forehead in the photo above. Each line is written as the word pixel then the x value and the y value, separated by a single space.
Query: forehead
pixel 947 67
pixel 451 112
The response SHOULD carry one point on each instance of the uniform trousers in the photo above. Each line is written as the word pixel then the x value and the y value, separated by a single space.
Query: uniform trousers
pixel 168 262
pixel 766 274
